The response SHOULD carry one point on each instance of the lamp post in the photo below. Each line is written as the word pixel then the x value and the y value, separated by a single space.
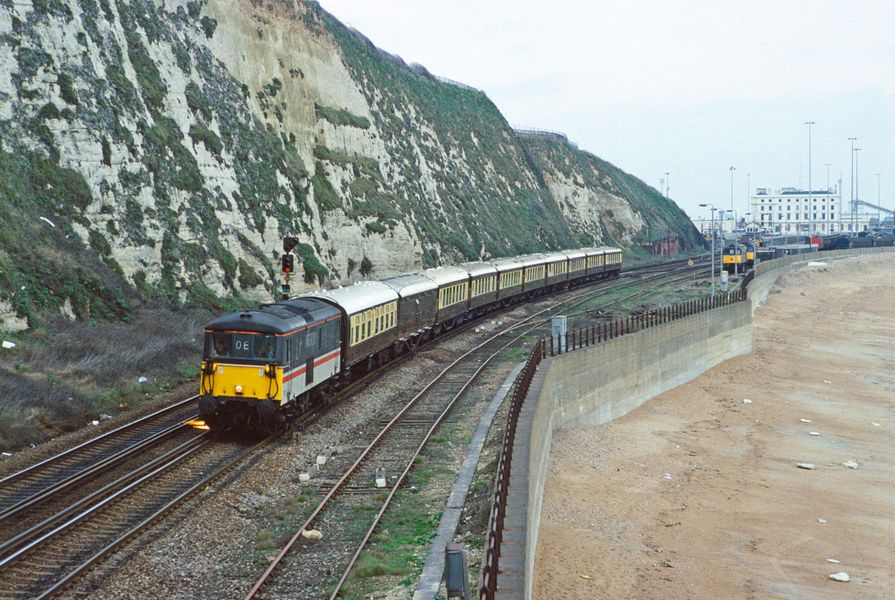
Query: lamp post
pixel 733 233
pixel 712 207
pixel 878 204
pixel 857 195
pixel 748 191
pixel 851 199
pixel 810 223
pixel 667 184
pixel 732 169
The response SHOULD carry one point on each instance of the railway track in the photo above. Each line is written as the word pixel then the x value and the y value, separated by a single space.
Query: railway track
pixel 378 472
pixel 27 487
pixel 52 560
pixel 62 515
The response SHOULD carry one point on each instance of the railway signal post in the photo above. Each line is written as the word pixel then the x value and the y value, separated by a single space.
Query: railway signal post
pixel 287 265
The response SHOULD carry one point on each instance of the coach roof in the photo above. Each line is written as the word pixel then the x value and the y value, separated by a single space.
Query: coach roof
pixel 358 297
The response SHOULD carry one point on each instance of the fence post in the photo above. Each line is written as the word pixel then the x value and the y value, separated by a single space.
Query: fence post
pixel 551 346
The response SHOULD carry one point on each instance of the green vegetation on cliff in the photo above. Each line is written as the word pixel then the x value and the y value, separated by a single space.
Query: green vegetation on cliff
pixel 496 208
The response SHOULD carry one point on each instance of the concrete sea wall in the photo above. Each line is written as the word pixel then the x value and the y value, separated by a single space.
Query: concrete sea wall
pixel 599 383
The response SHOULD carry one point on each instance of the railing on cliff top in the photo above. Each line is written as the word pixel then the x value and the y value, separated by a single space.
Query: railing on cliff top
pixel 579 338
pixel 502 481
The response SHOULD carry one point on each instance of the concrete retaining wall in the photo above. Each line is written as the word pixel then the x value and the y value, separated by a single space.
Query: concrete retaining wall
pixel 594 385
pixel 597 384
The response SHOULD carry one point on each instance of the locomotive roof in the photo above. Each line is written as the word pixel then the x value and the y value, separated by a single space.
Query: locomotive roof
pixel 477 269
pixel 408 285
pixel 574 254
pixel 280 317
pixel 447 275
pixel 358 297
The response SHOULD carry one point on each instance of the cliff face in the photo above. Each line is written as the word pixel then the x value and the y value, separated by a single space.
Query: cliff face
pixel 159 150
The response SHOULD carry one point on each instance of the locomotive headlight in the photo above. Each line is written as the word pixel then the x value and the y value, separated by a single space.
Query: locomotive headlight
pixel 238 389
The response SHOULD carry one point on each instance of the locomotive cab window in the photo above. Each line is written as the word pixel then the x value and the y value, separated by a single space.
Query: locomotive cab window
pixel 249 346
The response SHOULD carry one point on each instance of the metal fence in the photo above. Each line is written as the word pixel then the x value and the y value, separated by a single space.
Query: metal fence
pixel 502 481
pixel 594 334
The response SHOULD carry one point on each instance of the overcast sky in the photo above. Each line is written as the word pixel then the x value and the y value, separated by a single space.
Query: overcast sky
pixel 689 88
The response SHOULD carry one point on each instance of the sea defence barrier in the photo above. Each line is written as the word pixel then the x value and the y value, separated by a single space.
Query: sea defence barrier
pixel 605 372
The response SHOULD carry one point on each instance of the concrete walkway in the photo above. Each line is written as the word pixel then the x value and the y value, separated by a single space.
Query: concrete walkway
pixel 430 580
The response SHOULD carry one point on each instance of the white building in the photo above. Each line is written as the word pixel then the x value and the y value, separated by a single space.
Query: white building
pixel 721 225
pixel 790 210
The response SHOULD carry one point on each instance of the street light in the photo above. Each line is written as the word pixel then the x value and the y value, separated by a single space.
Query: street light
pixel 857 195
pixel 748 191
pixel 852 199
pixel 810 223
pixel 667 184
pixel 712 206
pixel 732 169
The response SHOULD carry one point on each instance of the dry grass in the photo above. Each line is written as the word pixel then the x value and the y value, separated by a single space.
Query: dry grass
pixel 68 373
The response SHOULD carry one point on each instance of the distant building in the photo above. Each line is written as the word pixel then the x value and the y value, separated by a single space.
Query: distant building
pixel 790 210
pixel 720 225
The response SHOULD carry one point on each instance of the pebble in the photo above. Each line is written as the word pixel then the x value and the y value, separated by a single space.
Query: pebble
pixel 809 466
pixel 666 476
pixel 876 424
pixel 813 433
pixel 833 560
pixel 747 401
pixel 850 464
pixel 311 534
pixel 840 576
pixel 805 420
pixel 827 382
pixel 822 521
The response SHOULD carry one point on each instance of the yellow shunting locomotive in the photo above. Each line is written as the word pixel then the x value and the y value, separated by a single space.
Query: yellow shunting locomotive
pixel 733 258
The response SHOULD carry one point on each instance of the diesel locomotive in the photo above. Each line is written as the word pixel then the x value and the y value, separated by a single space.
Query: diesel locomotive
pixel 263 367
